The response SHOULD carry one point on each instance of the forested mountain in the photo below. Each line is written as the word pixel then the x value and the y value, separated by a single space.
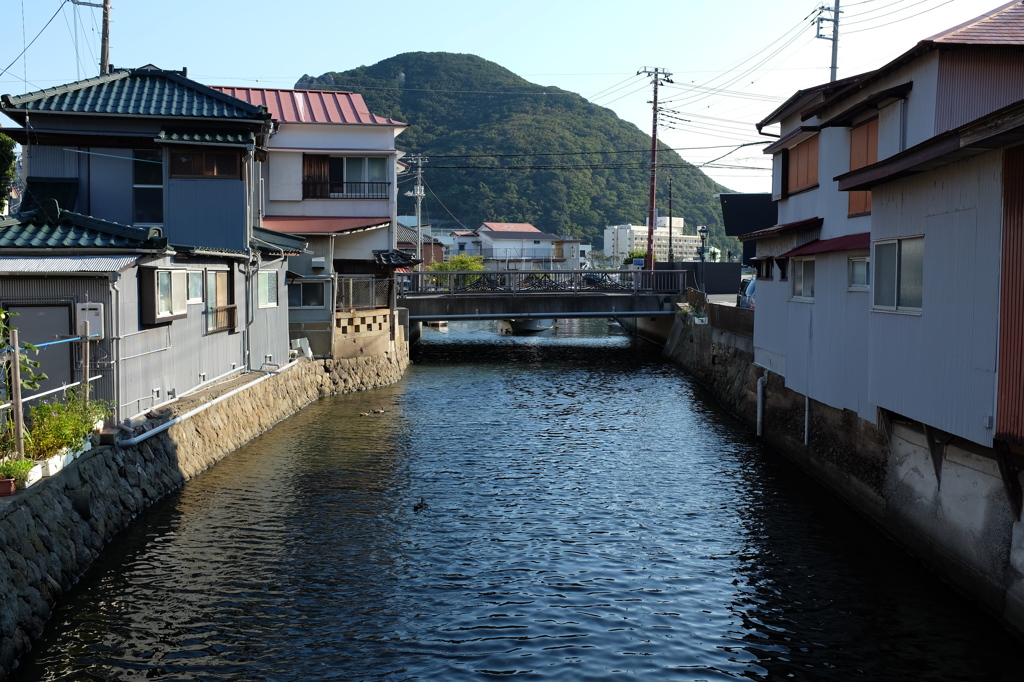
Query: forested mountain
pixel 504 149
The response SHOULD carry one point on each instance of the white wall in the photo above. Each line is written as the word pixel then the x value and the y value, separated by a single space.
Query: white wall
pixel 360 245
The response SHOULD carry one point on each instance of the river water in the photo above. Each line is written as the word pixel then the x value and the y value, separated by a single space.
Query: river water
pixel 566 506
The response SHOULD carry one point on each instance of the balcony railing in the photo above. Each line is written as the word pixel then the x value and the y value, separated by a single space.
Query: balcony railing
pixel 345 190
pixel 511 254
pixel 222 318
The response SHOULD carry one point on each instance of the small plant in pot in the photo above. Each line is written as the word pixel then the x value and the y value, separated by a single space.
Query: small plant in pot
pixel 15 470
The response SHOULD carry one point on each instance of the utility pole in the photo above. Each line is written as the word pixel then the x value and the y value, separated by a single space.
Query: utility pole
pixel 105 39
pixel 658 76
pixel 835 33
pixel 417 192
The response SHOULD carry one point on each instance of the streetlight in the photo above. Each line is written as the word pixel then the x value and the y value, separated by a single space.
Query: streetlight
pixel 702 232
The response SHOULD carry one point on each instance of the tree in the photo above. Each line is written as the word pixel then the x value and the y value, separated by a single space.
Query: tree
pixel 636 253
pixel 7 158
pixel 599 260
pixel 459 261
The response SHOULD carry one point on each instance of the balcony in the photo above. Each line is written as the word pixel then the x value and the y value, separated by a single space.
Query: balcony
pixel 345 190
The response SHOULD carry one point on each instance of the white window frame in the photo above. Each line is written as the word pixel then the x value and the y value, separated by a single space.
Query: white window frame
pixel 177 281
pixel 796 278
pixel 856 286
pixel 896 306
pixel 137 186
pixel 262 300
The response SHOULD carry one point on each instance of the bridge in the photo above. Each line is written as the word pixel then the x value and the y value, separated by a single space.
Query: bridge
pixel 532 294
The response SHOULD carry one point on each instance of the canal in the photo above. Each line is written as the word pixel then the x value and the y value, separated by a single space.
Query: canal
pixel 566 506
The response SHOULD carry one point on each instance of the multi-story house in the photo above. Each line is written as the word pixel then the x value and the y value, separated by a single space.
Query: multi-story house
pixel 518 246
pixel 889 295
pixel 331 178
pixel 141 196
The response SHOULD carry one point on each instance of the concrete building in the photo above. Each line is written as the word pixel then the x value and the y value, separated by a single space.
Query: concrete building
pixel 619 240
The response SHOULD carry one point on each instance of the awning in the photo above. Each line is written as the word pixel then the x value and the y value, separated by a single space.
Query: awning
pixel 322 225
pixel 66 264
pixel 775 230
pixel 850 242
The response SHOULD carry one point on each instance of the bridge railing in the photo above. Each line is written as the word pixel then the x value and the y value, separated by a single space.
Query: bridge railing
pixel 541 281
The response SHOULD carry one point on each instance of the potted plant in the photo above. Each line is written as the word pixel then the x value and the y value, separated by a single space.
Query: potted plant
pixel 16 470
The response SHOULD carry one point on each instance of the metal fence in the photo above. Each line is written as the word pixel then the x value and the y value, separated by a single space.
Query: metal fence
pixel 540 281
pixel 362 292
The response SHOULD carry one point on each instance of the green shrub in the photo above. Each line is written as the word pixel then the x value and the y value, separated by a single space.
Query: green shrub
pixel 16 469
pixel 54 425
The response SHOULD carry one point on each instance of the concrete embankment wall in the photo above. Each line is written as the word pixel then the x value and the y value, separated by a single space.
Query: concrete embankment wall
pixel 51 533
pixel 944 500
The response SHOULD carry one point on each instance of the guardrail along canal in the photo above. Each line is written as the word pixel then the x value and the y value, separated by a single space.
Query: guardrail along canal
pixel 563 507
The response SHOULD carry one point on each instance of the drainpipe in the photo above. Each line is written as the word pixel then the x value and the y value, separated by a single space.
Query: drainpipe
pixel 761 382
pixel 807 420
pixel 246 341
pixel 114 318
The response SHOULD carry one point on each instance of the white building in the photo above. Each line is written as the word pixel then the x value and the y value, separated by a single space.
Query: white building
pixel 619 240
pixel 518 246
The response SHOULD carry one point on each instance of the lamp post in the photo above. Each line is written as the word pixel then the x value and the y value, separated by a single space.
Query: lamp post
pixel 702 232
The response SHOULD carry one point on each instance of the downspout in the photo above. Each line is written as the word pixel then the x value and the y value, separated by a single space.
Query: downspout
pixel 246 340
pixel 761 382
pixel 115 341
pixel 332 314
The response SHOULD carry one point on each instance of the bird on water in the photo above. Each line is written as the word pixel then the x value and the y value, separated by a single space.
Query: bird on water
pixel 420 506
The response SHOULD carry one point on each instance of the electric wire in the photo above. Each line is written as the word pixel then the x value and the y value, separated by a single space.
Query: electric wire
pixel 74 40
pixel 64 2
pixel 443 206
pixel 896 21
pixel 896 11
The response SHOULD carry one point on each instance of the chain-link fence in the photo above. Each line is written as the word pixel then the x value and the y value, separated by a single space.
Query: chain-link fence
pixel 362 292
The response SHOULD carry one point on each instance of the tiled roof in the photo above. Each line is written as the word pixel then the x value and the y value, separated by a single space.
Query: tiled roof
pixel 774 230
pixel 310 106
pixel 38 229
pixel 510 227
pixel 146 91
pixel 322 225
pixel 407 235
pixel 201 137
pixel 394 258
pixel 1001 26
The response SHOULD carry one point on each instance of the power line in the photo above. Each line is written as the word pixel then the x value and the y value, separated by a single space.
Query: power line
pixel 442 204
pixel 895 11
pixel 896 21
pixel 616 151
pixel 64 2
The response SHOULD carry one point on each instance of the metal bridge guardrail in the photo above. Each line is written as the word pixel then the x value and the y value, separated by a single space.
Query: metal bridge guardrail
pixel 540 281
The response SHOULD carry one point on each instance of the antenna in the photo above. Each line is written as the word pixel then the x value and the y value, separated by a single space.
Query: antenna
pixel 835 33
pixel 105 39
pixel 658 76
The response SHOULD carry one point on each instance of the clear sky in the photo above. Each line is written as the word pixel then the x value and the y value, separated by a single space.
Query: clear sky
pixel 732 61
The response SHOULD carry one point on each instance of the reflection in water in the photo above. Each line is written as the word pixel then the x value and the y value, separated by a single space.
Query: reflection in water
pixel 589 513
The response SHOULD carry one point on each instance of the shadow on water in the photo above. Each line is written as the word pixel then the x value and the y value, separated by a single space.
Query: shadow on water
pixel 587 512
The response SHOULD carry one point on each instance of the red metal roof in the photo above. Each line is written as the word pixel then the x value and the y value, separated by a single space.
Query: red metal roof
pixel 850 242
pixel 321 225
pixel 1001 26
pixel 310 106
pixel 775 230
pixel 510 227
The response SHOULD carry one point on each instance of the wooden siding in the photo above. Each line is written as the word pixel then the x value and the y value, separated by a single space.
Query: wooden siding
pixel 976 82
pixel 1010 400
pixel 938 367
pixel 209 213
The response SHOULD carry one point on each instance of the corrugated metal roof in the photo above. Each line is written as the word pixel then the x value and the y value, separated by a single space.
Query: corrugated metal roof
pixel 310 106
pixel 510 227
pixel 201 137
pixel 850 242
pixel 809 223
pixel 49 264
pixel 1001 26
pixel 136 92
pixel 322 225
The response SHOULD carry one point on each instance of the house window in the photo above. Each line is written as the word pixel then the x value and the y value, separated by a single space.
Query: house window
pixel 221 314
pixel 195 286
pixel 349 177
pixel 858 274
pixel 205 164
pixel 803 278
pixel 306 295
pixel 163 295
pixel 266 284
pixel 899 274
pixel 782 264
pixel 863 152
pixel 764 268
pixel 803 166
pixel 148 187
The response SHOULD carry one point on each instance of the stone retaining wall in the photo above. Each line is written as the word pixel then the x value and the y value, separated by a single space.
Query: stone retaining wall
pixel 949 508
pixel 51 532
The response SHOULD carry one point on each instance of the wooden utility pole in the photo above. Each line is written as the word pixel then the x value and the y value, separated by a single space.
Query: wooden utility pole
pixel 105 36
pixel 658 76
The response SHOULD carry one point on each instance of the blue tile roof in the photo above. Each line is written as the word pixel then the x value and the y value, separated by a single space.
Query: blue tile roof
pixel 146 91
pixel 41 229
